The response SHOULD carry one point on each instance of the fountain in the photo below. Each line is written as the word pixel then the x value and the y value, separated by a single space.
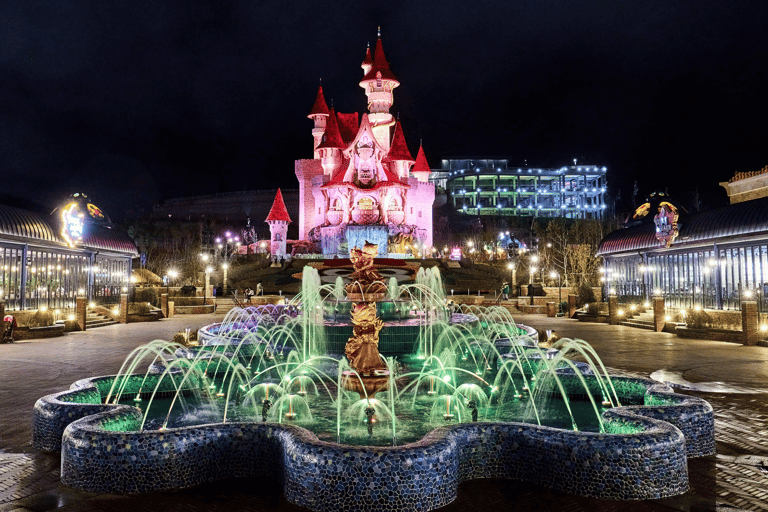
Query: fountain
pixel 384 398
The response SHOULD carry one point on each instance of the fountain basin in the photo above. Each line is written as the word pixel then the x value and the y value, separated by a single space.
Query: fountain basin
pixel 642 455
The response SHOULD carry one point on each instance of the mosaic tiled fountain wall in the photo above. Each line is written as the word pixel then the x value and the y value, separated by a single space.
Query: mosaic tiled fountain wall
pixel 642 455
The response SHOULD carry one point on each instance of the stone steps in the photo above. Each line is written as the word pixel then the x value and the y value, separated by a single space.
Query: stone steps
pixel 93 320
pixel 638 324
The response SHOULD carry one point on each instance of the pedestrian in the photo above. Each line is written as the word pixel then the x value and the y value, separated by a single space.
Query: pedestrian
pixel 505 290
pixel 259 289
pixel 10 322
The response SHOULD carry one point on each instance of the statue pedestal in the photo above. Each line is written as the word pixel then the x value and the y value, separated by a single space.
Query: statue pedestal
pixel 365 297
pixel 369 385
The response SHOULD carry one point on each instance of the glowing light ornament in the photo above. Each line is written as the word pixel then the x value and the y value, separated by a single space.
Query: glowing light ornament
pixel 72 224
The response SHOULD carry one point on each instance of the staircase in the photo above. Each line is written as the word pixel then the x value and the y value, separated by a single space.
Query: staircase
pixel 643 320
pixel 94 319
pixel 223 306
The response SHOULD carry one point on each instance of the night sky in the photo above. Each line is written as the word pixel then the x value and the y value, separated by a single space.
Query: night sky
pixel 136 102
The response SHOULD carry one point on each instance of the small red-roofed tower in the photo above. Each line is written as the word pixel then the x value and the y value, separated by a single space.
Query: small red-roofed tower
pixel 319 115
pixel 398 154
pixel 367 61
pixel 421 167
pixel 331 146
pixel 379 82
pixel 278 220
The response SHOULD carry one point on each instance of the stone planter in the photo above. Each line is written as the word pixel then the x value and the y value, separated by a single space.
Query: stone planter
pixel 709 334
pixel 145 317
pixel 194 310
pixel 467 299
pixel 34 333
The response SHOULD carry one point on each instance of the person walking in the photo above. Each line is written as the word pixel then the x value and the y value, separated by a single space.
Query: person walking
pixel 505 290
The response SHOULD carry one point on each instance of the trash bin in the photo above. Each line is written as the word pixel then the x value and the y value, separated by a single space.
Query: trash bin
pixel 551 308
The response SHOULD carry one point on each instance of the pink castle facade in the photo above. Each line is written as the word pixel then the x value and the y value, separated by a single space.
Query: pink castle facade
pixel 362 184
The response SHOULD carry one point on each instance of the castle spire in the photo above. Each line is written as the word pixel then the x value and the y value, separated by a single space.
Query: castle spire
pixel 278 212
pixel 319 115
pixel 367 61
pixel 421 167
pixel 379 83
pixel 399 154
pixel 278 220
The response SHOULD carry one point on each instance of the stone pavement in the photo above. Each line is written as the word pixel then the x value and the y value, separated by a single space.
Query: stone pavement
pixel 733 378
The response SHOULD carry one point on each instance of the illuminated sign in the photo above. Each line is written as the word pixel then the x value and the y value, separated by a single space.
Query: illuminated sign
pixel 666 224
pixel 72 224
pixel 95 211
pixel 456 253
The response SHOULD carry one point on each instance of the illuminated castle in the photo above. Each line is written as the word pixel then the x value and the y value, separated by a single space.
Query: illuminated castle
pixel 362 184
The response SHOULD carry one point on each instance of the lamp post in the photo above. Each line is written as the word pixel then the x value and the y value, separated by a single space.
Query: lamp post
pixel 530 287
pixel 553 275
pixel 172 275
pixel 208 271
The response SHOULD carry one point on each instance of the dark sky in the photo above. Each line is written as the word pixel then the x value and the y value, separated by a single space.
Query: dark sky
pixel 135 102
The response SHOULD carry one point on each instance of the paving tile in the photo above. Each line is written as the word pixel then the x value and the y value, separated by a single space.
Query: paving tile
pixel 732 480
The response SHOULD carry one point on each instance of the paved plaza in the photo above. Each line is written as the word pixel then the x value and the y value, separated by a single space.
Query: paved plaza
pixel 732 377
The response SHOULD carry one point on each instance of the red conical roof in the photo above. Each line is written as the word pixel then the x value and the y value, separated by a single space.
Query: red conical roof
pixel 399 149
pixel 278 210
pixel 332 138
pixel 380 64
pixel 320 107
pixel 348 126
pixel 368 60
pixel 421 164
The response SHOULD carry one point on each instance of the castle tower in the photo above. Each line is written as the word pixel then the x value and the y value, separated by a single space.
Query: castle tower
pixel 421 167
pixel 331 146
pixel 278 220
pixel 379 82
pixel 367 61
pixel 319 115
pixel 398 154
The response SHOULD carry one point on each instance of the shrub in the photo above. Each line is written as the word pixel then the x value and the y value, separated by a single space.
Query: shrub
pixel 147 295
pixel 41 319
pixel 593 308
pixel 138 308
pixel 698 319
pixel 585 294
pixel 181 338
pixel 188 290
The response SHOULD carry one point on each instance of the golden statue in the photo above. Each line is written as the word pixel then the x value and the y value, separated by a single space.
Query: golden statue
pixel 366 281
pixel 362 349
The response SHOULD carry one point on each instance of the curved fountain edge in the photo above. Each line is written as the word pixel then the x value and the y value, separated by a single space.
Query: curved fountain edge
pixel 645 464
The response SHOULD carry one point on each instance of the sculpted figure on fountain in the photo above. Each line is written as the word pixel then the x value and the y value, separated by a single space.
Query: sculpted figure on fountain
pixel 362 349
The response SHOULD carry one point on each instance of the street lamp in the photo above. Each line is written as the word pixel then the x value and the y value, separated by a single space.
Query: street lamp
pixel 225 266
pixel 172 275
pixel 530 286
pixel 208 271
pixel 553 275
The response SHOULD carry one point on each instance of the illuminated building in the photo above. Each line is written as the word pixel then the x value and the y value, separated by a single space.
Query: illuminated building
pixel 363 184
pixel 712 259
pixel 46 261
pixel 493 187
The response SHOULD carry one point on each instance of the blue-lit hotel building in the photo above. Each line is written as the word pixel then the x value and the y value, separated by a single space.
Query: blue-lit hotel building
pixel 493 187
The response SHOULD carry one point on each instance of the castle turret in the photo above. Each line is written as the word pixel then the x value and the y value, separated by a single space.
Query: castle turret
pixel 421 167
pixel 367 61
pixel 398 154
pixel 278 220
pixel 319 115
pixel 379 82
pixel 331 146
